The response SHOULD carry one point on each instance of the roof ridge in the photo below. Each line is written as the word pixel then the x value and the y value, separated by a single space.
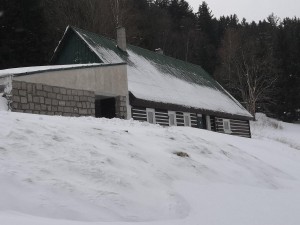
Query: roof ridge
pixel 100 35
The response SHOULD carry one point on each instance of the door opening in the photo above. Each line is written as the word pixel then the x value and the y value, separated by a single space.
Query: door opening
pixel 105 107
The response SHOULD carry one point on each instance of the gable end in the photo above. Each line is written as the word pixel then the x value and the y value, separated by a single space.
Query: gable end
pixel 73 50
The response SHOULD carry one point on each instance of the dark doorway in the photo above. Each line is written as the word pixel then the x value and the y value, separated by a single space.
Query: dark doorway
pixel 201 121
pixel 105 108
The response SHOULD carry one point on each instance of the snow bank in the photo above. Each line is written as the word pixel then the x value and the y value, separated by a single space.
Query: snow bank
pixel 268 128
pixel 3 103
pixel 74 171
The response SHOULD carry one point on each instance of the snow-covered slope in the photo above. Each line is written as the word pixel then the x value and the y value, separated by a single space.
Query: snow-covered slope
pixel 82 171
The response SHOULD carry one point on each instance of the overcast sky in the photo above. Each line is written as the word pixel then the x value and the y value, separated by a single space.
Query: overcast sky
pixel 251 9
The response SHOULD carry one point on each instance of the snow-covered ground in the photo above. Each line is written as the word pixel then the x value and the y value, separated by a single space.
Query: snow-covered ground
pixel 87 171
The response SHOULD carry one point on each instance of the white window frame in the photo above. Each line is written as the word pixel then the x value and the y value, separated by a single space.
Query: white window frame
pixel 227 131
pixel 187 123
pixel 153 111
pixel 175 120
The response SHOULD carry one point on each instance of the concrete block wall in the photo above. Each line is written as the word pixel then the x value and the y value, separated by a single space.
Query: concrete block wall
pixel 50 100
pixel 121 107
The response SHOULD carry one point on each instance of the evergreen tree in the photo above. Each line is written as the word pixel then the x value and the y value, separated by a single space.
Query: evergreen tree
pixel 205 20
pixel 288 94
pixel 205 53
pixel 24 40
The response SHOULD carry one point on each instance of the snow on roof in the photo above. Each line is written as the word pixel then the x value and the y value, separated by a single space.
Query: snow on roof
pixel 147 82
pixel 159 78
pixel 35 69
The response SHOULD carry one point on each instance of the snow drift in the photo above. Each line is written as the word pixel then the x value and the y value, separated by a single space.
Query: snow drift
pixel 57 170
pixel 3 103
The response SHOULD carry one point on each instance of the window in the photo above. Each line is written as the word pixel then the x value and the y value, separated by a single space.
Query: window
pixel 150 115
pixel 201 121
pixel 172 118
pixel 187 119
pixel 226 126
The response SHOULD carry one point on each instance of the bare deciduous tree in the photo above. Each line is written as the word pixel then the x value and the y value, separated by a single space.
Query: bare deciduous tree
pixel 248 69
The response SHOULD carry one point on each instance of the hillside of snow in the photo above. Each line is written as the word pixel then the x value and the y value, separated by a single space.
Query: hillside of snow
pixel 87 171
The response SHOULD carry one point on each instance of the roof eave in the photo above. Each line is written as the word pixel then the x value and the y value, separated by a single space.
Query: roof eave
pixel 170 106
pixel 61 69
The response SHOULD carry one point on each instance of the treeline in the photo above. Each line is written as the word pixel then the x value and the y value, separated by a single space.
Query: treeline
pixel 257 62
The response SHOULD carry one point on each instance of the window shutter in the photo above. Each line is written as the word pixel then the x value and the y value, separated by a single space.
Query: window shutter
pixel 187 119
pixel 172 118
pixel 150 115
pixel 226 126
